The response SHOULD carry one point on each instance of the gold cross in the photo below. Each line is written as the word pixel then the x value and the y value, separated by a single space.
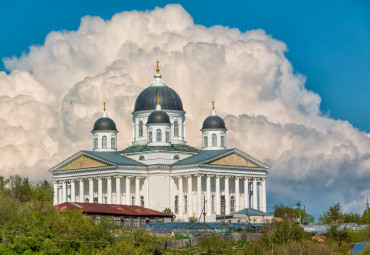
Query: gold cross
pixel 213 104
pixel 157 67
pixel 157 99
pixel 104 107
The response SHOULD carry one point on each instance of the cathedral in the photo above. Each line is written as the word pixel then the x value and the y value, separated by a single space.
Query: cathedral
pixel 159 170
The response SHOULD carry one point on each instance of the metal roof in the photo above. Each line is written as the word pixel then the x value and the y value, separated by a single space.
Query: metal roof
pixel 202 156
pixel 111 209
pixel 114 157
pixel 173 147
pixel 147 99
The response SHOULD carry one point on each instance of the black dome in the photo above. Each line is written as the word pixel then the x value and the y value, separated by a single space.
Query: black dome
pixel 158 117
pixel 213 122
pixel 147 100
pixel 104 123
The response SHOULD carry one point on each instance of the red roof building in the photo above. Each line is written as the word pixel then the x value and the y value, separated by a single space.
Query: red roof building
pixel 122 215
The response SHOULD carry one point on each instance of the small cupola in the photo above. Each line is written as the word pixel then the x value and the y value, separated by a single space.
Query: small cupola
pixel 104 133
pixel 159 127
pixel 213 132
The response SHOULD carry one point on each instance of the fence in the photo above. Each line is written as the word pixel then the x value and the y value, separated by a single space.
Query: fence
pixel 175 244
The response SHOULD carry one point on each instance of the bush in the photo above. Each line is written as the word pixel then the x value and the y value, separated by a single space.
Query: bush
pixel 216 244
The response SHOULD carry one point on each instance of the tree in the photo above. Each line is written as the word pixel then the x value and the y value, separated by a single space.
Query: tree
pixel 169 211
pixel 288 213
pixel 333 215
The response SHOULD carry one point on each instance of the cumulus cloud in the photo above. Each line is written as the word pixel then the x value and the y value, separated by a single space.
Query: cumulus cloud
pixel 54 93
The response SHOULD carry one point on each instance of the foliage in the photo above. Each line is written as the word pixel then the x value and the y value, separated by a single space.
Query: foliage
pixel 283 232
pixel 333 214
pixel 216 244
pixel 169 211
pixel 359 236
pixel 137 242
pixel 337 234
pixel 289 213
pixel 193 219
pixel 365 217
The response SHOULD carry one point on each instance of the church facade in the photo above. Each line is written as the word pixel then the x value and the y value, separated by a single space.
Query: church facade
pixel 160 170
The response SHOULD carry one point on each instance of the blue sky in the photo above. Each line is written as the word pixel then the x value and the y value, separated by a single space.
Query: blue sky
pixel 328 41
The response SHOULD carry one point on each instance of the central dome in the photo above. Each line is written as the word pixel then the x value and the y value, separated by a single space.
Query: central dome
pixel 158 117
pixel 147 100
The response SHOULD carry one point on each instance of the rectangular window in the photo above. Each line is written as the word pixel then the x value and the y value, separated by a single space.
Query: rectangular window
pixel 223 141
pixel 150 136
pixel 205 141
pixel 96 143
pixel 113 143
pixel 167 136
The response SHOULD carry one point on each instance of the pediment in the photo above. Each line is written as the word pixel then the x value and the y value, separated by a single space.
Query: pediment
pixel 83 162
pixel 233 160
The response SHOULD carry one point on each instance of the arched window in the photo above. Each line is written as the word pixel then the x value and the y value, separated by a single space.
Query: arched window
pixel 223 205
pixel 104 142
pixel 141 157
pixel 223 141
pixel 176 204
pixel 232 204
pixel 167 136
pixel 176 128
pixel 142 201
pixel 96 143
pixel 176 157
pixel 205 141
pixel 213 203
pixel 141 128
pixel 113 142
pixel 133 200
pixel 159 135
pixel 150 136
pixel 214 140
pixel 185 204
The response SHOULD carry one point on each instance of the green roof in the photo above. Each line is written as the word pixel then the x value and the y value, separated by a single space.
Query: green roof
pixel 251 212
pixel 202 156
pixel 173 147
pixel 114 157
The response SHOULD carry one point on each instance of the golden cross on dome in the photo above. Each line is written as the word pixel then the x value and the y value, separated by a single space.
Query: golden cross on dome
pixel 157 99
pixel 104 107
pixel 157 67
pixel 213 104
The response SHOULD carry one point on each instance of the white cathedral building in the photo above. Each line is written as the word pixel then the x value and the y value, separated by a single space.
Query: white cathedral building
pixel 160 170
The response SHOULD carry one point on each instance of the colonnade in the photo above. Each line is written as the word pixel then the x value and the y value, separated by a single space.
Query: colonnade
pixel 65 191
pixel 217 201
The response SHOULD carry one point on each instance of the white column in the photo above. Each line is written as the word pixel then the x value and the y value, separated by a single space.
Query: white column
pixel 60 195
pixel 181 196
pixel 137 191
pixel 227 195
pixel 73 191
pixel 109 190
pixel 218 198
pixel 118 190
pixel 64 192
pixel 254 197
pixel 146 199
pixel 237 195
pixel 190 196
pixel 91 190
pixel 82 191
pixel 55 200
pixel 100 190
pixel 263 195
pixel 128 190
pixel 246 193
pixel 199 195
pixel 208 187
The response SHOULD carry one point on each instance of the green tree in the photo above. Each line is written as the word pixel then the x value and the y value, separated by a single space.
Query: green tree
pixel 283 232
pixel 288 213
pixel 333 214
pixel 169 211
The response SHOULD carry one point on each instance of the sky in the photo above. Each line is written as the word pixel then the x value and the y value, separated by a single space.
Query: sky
pixel 296 75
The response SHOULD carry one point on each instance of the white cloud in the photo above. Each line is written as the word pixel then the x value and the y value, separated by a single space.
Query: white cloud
pixel 50 100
